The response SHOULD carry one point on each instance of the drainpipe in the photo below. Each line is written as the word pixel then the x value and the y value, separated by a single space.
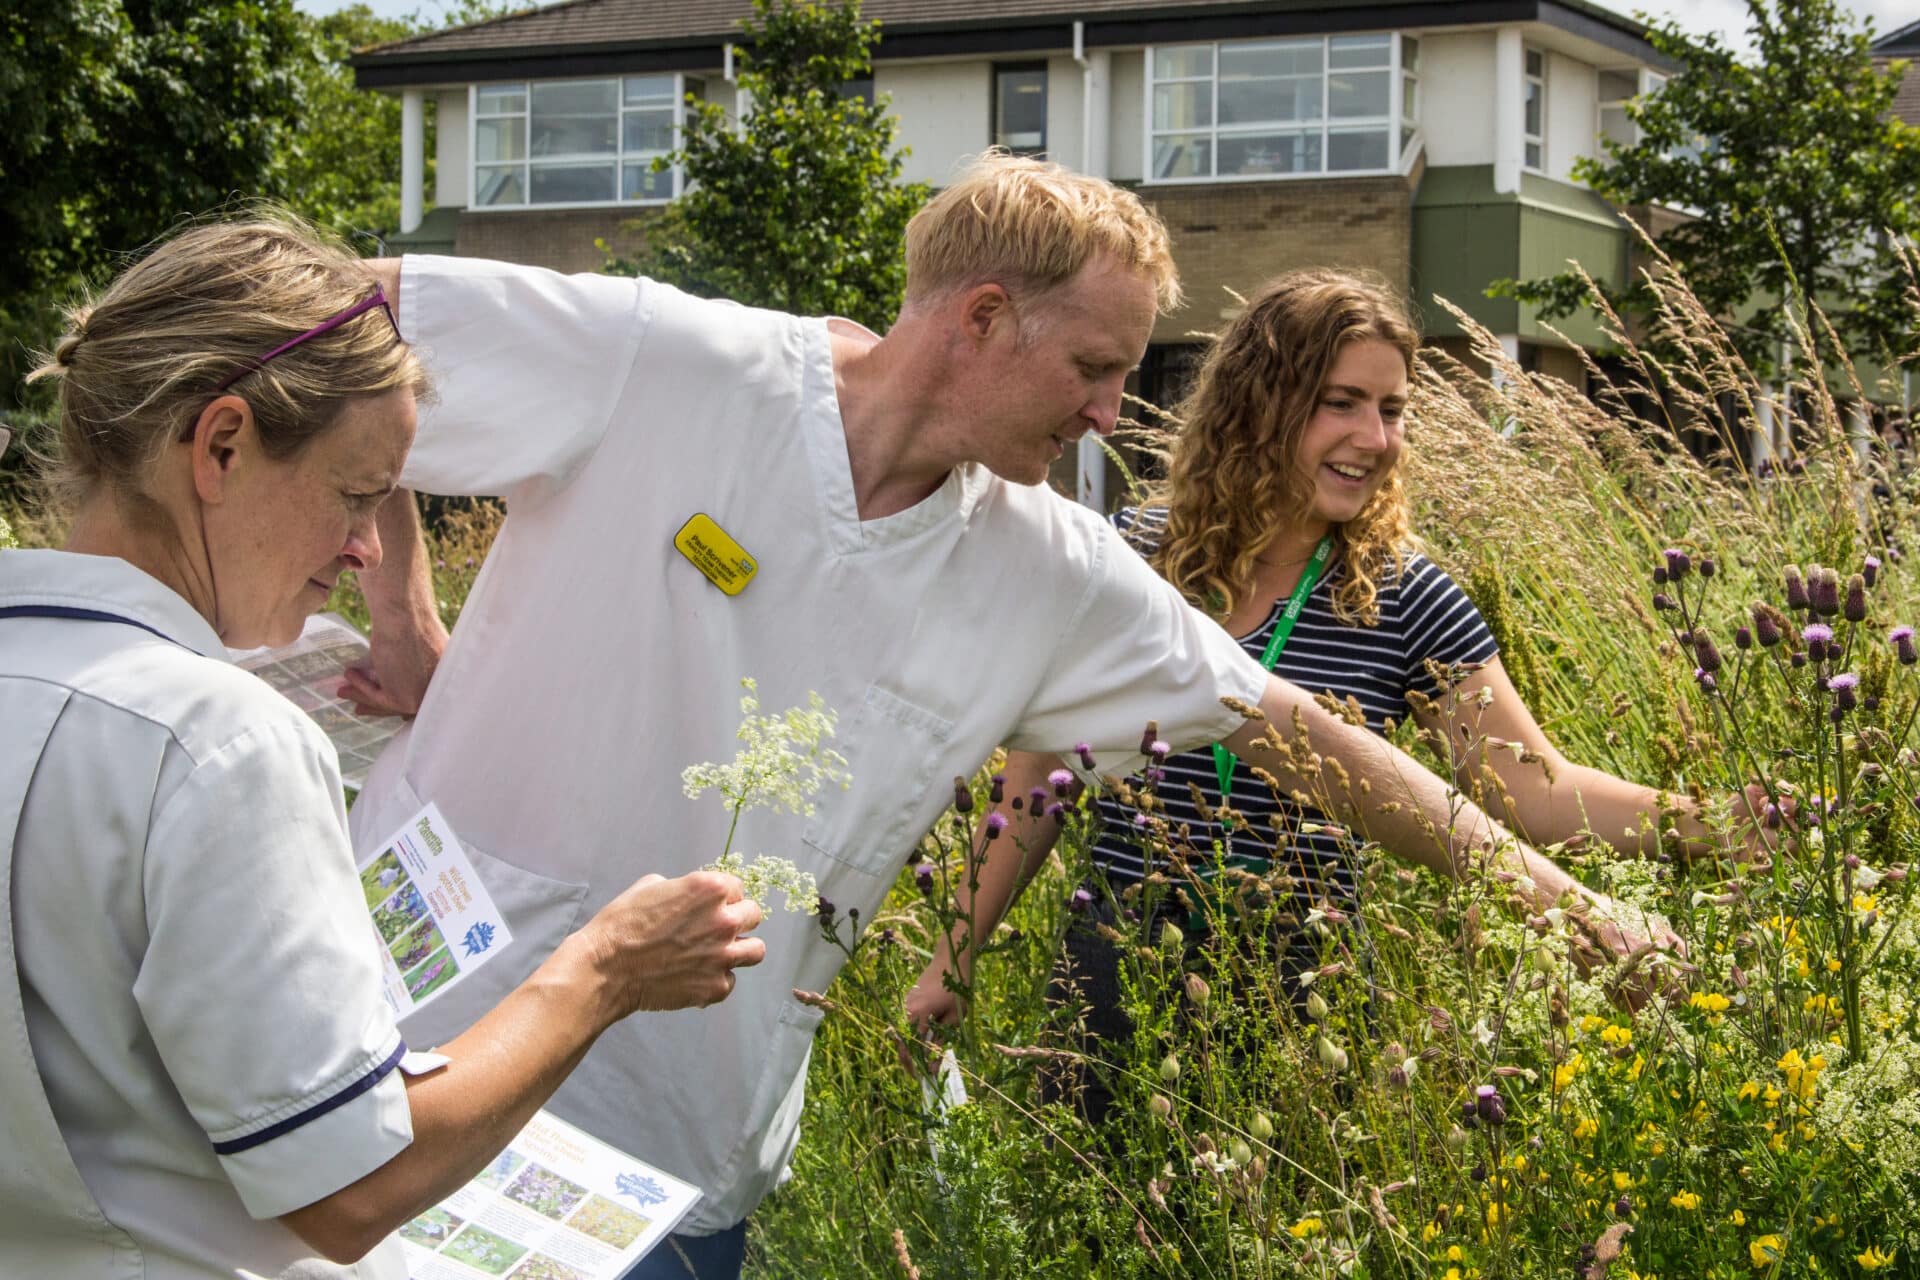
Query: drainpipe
pixel 1090 459
pixel 413 169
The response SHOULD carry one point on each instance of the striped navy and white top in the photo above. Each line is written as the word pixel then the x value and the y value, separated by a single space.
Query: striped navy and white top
pixel 1423 614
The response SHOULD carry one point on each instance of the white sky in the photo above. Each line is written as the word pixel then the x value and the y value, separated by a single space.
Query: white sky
pixel 1727 17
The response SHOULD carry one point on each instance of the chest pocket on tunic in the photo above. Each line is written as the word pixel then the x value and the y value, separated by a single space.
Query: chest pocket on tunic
pixel 893 748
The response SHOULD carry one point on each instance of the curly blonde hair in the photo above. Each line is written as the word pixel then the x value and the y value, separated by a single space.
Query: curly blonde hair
pixel 1232 482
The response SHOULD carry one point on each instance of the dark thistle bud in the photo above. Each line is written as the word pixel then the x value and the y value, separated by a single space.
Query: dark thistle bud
pixel 1742 639
pixel 1660 575
pixel 923 877
pixel 1705 652
pixel 962 795
pixel 1151 736
pixel 1772 819
pixel 996 823
pixel 1085 751
pixel 1797 597
pixel 1058 812
pixel 1854 608
pixel 1824 589
pixel 1705 679
pixel 1798 660
pixel 1903 646
pixel 1489 1105
pixel 1470 1114
pixel 1870 703
pixel 1062 782
pixel 1796 466
pixel 1663 602
pixel 1080 902
pixel 1478 1173
pixel 1768 624
pixel 997 791
pixel 1843 687
pixel 825 910
pixel 1018 804
pixel 1870 570
pixel 1678 562
pixel 1623 1206
pixel 1707 567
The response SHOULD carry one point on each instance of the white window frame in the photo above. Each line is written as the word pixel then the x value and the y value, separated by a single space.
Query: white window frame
pixel 1393 123
pixel 618 157
pixel 1537 142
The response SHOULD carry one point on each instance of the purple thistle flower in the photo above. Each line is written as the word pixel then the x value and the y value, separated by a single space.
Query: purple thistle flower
pixel 1037 800
pixel 923 877
pixel 1817 635
pixel 1797 597
pixel 1903 646
pixel 1489 1105
pixel 1141 820
pixel 1843 687
pixel 1772 819
pixel 998 790
pixel 1079 902
pixel 962 795
pixel 1707 683
pixel 1705 652
pixel 996 823
pixel 1061 780
pixel 1854 608
pixel 1159 750
pixel 1824 589
pixel 1085 751
pixel 1154 776
pixel 1845 680
pixel 1058 812
pixel 1678 562
pixel 1870 570
pixel 1796 466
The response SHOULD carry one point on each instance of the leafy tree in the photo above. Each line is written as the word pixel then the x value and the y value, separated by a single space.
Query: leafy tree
pixel 1797 170
pixel 801 207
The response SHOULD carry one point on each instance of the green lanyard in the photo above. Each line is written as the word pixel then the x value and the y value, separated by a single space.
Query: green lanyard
pixel 1224 761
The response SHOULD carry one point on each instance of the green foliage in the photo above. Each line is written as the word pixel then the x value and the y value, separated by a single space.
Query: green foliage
pixel 801 208
pixel 1797 170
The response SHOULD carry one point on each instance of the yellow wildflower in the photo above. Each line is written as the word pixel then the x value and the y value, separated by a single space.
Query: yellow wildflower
pixel 1617 1035
pixel 1873 1259
pixel 1456 1254
pixel 1737 1218
pixel 1709 1002
pixel 1833 964
pixel 1684 1200
pixel 1564 1073
pixel 1585 1128
pixel 1429 1233
pixel 1749 1090
pixel 1306 1227
pixel 1863 902
pixel 1494 1214
pixel 1591 1023
pixel 1766 1250
pixel 1622 1179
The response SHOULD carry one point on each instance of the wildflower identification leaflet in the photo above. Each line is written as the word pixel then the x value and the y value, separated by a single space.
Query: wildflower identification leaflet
pixel 432 918
pixel 555 1205
pixel 308 671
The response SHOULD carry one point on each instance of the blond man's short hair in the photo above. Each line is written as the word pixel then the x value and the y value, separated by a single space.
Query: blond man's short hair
pixel 1031 226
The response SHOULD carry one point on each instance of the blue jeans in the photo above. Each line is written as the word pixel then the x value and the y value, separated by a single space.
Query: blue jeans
pixel 714 1257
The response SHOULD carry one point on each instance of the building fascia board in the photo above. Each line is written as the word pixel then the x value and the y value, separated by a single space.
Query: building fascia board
pixel 401 66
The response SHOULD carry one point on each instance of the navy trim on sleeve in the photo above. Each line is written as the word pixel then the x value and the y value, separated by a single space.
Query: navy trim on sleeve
pixel 314 1112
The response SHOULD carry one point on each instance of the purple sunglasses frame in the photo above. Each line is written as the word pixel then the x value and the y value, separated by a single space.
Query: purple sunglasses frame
pixel 378 299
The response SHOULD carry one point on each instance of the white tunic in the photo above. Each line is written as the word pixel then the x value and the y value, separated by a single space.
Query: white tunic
pixel 190 1009
pixel 593 662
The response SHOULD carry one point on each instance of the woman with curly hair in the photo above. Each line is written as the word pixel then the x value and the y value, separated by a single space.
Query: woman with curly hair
pixel 1283 514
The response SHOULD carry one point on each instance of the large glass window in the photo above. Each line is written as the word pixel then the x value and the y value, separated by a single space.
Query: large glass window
pixel 1273 108
pixel 559 142
pixel 1020 107
pixel 1534 110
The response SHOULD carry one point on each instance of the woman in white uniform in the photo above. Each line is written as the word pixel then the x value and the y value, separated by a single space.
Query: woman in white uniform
pixel 198 1074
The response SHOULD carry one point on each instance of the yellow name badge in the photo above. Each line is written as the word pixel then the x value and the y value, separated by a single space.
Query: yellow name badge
pixel 724 561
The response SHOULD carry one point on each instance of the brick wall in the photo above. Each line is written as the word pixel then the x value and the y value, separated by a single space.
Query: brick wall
pixel 1236 235
pixel 559 238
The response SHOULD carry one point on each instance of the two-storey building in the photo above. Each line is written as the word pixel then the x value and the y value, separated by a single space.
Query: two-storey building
pixel 1432 141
